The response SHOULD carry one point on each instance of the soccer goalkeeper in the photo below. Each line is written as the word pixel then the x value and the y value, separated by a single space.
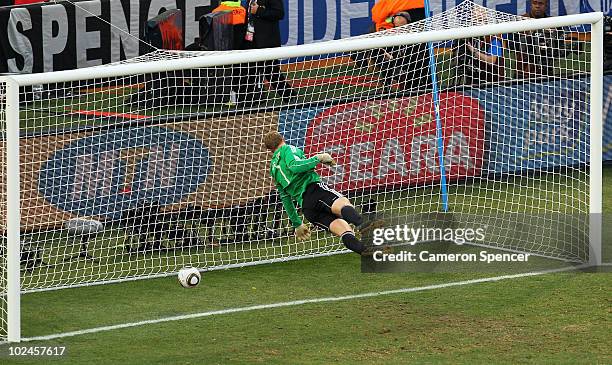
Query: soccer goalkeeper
pixel 296 180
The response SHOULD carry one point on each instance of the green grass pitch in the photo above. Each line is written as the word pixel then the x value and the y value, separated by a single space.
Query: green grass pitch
pixel 561 318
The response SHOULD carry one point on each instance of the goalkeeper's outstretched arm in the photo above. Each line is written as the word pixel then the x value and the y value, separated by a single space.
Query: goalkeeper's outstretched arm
pixel 289 206
pixel 301 230
pixel 297 165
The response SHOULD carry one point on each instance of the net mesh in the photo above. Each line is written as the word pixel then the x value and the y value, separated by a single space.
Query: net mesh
pixel 141 175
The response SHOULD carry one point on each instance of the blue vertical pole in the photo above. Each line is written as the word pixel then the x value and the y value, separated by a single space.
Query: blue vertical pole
pixel 436 101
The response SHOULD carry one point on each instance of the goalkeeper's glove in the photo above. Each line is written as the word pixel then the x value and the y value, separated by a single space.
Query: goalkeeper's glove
pixel 326 159
pixel 302 232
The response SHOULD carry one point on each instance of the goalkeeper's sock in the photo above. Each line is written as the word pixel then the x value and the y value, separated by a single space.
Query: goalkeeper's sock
pixel 352 243
pixel 350 215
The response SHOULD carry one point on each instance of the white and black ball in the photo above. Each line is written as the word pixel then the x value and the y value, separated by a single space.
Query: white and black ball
pixel 189 277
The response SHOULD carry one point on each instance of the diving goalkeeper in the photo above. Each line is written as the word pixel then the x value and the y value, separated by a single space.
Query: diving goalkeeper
pixel 297 181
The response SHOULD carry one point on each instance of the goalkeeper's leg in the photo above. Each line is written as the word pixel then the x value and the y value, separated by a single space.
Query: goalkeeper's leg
pixel 328 199
pixel 338 226
pixel 329 210
pixel 319 196
pixel 342 229
pixel 343 208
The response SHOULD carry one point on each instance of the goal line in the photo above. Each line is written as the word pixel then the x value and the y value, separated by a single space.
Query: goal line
pixel 298 302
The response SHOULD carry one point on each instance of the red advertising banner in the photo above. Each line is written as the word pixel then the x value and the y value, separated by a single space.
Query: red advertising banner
pixel 393 142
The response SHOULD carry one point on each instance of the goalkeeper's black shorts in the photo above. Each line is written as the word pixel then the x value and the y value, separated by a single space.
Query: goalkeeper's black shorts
pixel 317 201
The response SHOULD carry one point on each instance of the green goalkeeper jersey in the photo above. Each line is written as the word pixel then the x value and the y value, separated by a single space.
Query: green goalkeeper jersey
pixel 292 172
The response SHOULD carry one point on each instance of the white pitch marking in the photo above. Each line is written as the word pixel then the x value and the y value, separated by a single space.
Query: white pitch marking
pixel 296 302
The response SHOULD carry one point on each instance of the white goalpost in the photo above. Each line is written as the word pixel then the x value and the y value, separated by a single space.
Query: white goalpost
pixel 136 169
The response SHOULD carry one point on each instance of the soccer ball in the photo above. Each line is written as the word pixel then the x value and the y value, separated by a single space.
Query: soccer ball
pixel 189 277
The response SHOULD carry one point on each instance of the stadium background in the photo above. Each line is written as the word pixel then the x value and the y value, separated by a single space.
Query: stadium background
pixel 27 42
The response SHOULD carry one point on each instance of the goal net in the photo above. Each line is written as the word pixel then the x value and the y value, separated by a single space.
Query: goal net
pixel 140 168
